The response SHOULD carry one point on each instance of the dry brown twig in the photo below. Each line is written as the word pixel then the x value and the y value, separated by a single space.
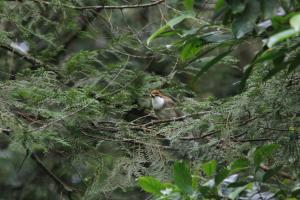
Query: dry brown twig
pixel 103 6
pixel 177 118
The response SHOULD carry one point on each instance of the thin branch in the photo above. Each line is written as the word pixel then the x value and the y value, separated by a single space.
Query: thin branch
pixel 274 129
pixel 31 59
pixel 252 140
pixel 103 6
pixel 51 174
pixel 6 131
pixel 34 61
pixel 201 137
pixel 127 140
pixel 177 118
pixel 62 118
pixel 283 174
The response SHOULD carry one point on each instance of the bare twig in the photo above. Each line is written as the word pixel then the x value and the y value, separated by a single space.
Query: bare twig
pixel 51 174
pixel 252 140
pixel 34 61
pixel 29 58
pixel 274 129
pixel 177 118
pixel 201 137
pixel 6 131
pixel 62 118
pixel 102 6
pixel 283 174
pixel 127 140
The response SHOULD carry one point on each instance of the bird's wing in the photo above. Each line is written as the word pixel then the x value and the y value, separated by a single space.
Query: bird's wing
pixel 169 103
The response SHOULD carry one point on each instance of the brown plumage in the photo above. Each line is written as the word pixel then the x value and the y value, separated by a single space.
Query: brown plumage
pixel 163 106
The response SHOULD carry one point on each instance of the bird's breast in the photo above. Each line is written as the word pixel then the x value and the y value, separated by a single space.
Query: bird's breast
pixel 157 102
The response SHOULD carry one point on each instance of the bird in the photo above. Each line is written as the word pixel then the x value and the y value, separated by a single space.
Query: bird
pixel 164 107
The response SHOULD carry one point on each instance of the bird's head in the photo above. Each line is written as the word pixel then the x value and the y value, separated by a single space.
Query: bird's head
pixel 156 93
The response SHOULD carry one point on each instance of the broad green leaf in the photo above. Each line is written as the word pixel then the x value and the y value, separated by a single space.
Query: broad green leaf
pixel 245 22
pixel 209 168
pixel 219 5
pixel 211 63
pixel 188 4
pixel 151 185
pixel 182 177
pixel 295 22
pixel 237 184
pixel 237 191
pixel 263 153
pixel 280 22
pixel 170 25
pixel 239 164
pixel 158 33
pixel 271 172
pixel 173 22
pixel 191 49
pixel 281 36
pixel 221 176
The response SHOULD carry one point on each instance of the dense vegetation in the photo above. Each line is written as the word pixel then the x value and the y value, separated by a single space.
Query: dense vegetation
pixel 76 118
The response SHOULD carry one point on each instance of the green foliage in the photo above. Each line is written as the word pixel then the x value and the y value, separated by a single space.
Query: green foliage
pixel 209 168
pixel 182 177
pixel 236 181
pixel 263 153
pixel 76 120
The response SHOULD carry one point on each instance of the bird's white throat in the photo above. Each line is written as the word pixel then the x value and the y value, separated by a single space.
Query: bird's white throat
pixel 158 102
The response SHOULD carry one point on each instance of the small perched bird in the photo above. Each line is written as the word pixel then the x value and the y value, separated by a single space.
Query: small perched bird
pixel 163 106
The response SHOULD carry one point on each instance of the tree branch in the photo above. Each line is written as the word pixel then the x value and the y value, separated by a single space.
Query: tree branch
pixel 29 58
pixel 127 140
pixel 51 174
pixel 176 119
pixel 283 174
pixel 103 6
pixel 201 137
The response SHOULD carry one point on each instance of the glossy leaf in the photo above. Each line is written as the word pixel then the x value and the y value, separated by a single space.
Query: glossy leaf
pixel 209 168
pixel 170 24
pixel 191 49
pixel 245 22
pixel 237 191
pixel 219 5
pixel 188 4
pixel 151 185
pixel 223 174
pixel 182 177
pixel 281 36
pixel 295 22
pixel 239 164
